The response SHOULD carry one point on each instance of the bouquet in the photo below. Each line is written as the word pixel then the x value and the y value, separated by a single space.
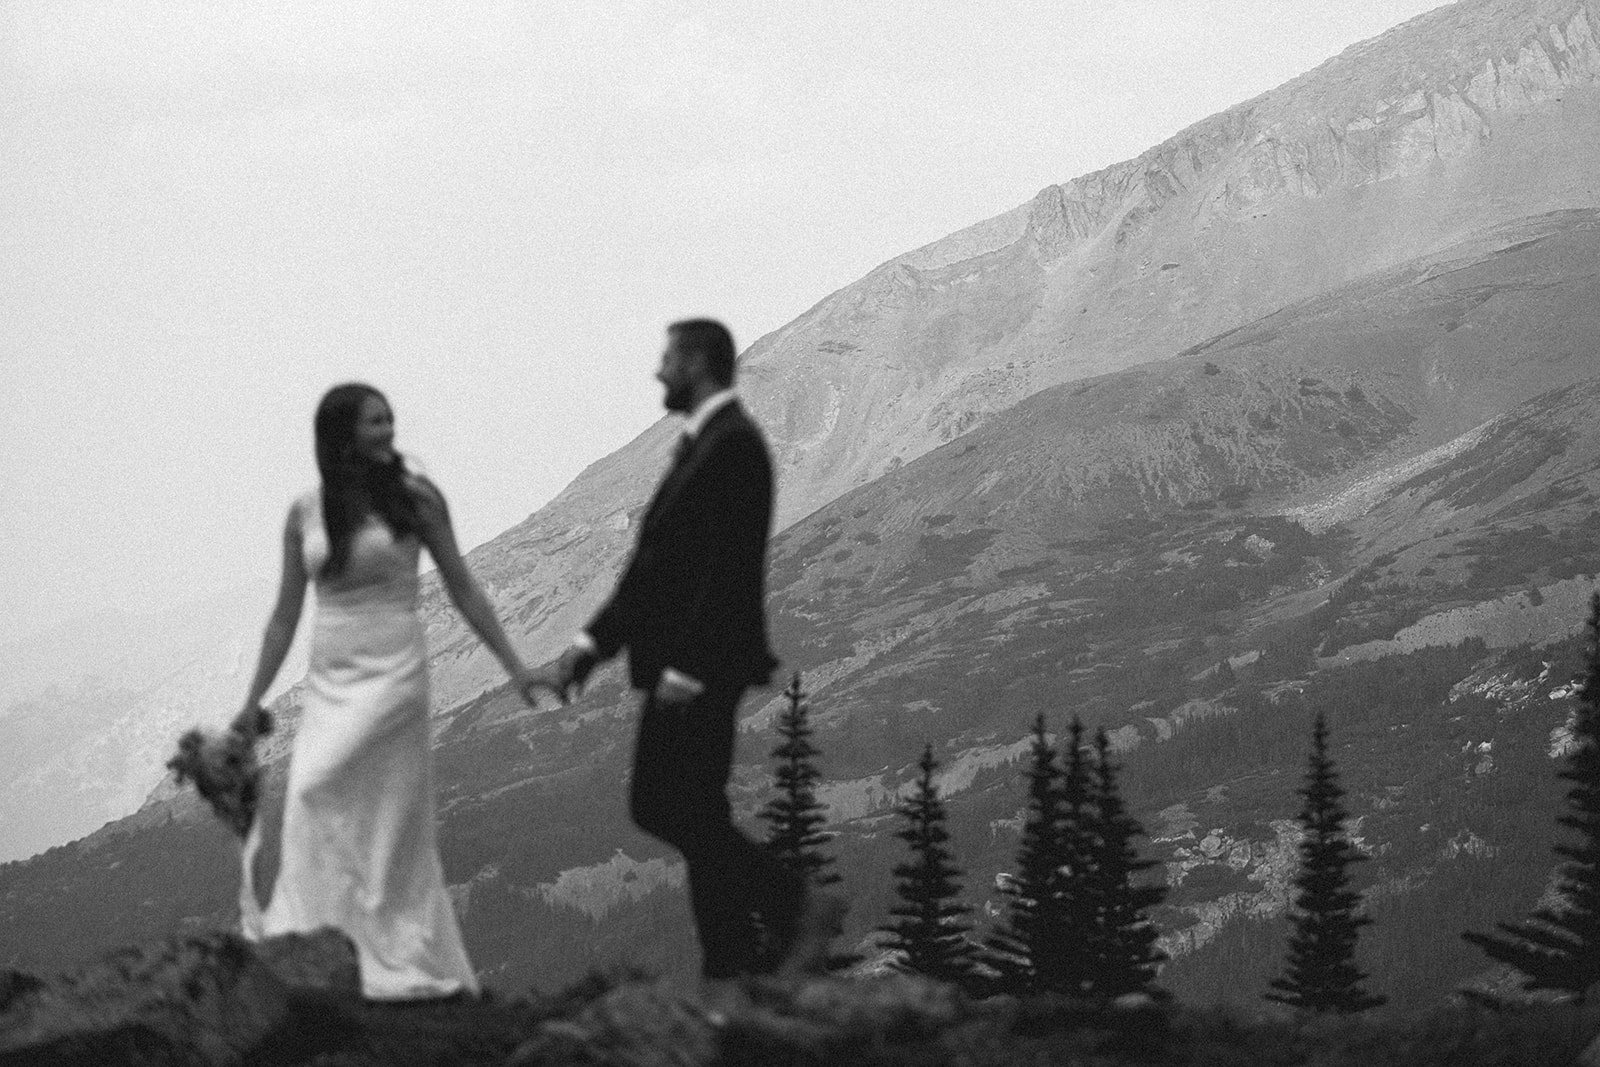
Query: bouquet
pixel 223 767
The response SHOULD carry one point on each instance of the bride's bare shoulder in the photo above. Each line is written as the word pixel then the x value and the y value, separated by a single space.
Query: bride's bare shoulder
pixel 306 505
pixel 429 498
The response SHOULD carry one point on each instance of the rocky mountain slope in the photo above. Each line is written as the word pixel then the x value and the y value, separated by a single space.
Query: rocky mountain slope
pixel 1379 503
pixel 1295 411
pixel 1480 112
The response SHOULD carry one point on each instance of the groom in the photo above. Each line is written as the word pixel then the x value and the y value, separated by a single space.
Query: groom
pixel 690 610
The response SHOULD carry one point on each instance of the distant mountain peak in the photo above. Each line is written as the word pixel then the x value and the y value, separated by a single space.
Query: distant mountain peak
pixel 1425 90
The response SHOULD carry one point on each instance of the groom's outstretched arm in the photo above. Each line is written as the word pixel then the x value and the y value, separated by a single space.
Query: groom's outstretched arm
pixel 607 633
pixel 577 662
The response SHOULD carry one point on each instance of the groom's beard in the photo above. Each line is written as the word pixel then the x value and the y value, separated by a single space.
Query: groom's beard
pixel 678 398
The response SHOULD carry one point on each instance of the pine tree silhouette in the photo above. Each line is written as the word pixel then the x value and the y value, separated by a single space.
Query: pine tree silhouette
pixel 930 928
pixel 795 816
pixel 1558 946
pixel 1123 939
pixel 1321 973
pixel 1040 947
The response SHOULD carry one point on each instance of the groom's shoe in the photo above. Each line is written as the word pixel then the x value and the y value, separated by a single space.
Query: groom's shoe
pixel 821 920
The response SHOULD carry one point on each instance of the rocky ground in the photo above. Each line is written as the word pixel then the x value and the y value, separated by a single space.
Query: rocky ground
pixel 215 999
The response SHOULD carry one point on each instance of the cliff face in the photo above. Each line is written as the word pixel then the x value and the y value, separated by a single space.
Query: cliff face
pixel 1438 87
pixel 1480 112
pixel 1466 117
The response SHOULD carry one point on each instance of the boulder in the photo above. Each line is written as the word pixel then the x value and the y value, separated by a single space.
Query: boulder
pixel 193 1000
pixel 756 1020
pixel 638 1024
pixel 324 959
pixel 15 984
pixel 823 1019
pixel 897 1004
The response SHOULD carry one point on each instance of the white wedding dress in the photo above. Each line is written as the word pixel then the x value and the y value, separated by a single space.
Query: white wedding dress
pixel 358 847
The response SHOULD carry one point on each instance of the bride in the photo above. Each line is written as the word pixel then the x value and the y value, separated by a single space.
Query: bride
pixel 358 846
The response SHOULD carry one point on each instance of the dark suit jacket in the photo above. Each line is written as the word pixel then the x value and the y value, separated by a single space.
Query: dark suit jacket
pixel 693 594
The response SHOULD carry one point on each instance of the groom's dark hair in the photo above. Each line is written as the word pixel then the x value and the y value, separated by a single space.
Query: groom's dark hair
pixel 712 340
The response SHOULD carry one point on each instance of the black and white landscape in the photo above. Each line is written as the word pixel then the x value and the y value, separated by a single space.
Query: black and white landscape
pixel 1298 410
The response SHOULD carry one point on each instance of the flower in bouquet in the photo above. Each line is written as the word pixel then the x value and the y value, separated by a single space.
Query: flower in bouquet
pixel 223 767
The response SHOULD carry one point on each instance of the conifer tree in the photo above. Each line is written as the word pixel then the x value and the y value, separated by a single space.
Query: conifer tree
pixel 930 927
pixel 795 816
pixel 1558 946
pixel 1040 948
pixel 1321 973
pixel 1122 943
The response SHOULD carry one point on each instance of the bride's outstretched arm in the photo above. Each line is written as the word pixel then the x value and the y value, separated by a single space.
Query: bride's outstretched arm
pixel 439 535
pixel 281 626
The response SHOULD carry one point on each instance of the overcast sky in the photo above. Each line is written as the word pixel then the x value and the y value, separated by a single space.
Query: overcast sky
pixel 212 211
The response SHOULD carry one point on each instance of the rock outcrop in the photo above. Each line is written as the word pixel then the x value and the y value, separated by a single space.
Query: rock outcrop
pixel 211 1000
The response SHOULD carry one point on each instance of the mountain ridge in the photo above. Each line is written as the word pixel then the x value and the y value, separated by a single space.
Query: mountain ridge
pixel 1337 430
pixel 845 401
pixel 923 348
pixel 1123 548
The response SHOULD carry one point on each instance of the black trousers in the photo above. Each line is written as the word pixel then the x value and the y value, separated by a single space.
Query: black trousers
pixel 681 761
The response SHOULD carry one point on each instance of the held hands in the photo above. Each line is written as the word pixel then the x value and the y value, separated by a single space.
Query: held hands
pixel 529 683
pixel 571 671
pixel 566 679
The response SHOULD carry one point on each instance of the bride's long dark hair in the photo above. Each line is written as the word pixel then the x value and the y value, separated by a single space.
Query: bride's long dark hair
pixel 353 485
